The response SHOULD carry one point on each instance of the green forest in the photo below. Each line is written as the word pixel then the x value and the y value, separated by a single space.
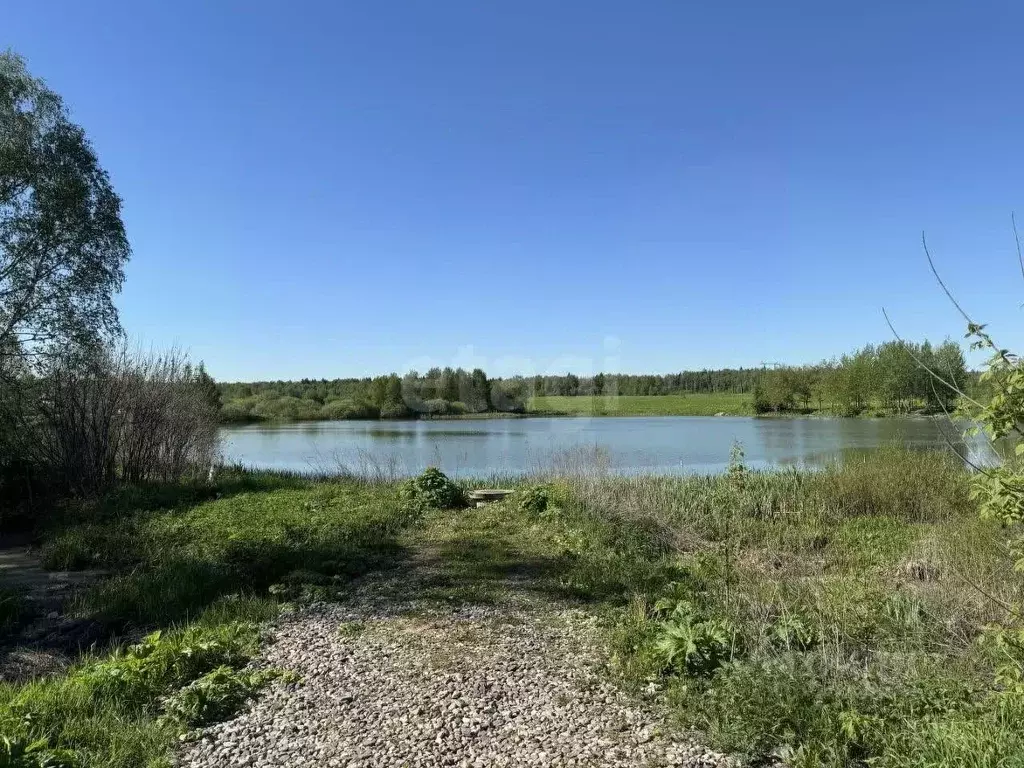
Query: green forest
pixel 878 379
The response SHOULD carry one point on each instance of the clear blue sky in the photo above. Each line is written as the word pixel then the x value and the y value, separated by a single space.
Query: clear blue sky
pixel 342 188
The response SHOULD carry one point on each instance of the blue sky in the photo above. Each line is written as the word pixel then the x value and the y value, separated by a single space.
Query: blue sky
pixel 339 188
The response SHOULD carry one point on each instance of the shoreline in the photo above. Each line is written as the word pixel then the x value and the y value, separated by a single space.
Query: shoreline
pixel 501 416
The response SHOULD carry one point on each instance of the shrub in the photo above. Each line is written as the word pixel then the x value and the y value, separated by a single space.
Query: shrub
pixel 349 409
pixel 286 407
pixel 433 488
pixel 535 499
pixel 394 411
pixel 237 412
pixel 545 499
pixel 118 416
pixel 436 407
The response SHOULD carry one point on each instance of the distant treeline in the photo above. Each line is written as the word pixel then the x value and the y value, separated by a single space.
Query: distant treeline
pixel 452 391
pixel 884 377
pixel 722 380
pixel 894 377
pixel 438 392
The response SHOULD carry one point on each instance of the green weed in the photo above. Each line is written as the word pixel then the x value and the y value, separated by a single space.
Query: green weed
pixel 107 712
pixel 215 696
pixel 433 489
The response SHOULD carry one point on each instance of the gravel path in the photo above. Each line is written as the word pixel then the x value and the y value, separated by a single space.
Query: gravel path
pixel 516 684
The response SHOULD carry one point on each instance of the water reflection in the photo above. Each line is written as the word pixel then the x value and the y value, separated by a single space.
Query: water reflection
pixel 629 445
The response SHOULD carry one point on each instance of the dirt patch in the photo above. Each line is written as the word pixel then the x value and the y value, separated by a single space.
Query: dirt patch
pixel 43 639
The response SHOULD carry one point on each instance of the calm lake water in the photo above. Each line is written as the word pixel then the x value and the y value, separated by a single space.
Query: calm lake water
pixel 667 445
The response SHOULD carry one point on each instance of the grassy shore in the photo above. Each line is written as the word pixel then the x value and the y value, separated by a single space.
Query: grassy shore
pixel 693 404
pixel 201 568
pixel 698 404
pixel 832 618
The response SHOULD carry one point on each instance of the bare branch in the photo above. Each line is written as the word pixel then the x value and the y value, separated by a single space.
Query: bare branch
pixel 962 456
pixel 1016 239
pixel 942 284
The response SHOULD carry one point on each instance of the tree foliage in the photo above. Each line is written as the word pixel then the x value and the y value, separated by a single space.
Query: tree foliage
pixel 62 254
pixel 62 243
pixel 891 377
pixel 438 392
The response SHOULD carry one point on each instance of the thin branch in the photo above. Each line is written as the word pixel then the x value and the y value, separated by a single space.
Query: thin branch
pixel 942 284
pixel 1005 606
pixel 949 443
pixel 1016 239
pixel 972 326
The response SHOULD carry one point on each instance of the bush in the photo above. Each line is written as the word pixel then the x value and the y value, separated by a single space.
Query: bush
pixel 543 500
pixel 286 407
pixel 394 411
pixel 237 412
pixel 116 417
pixel 349 409
pixel 432 488
pixel 535 499
pixel 436 407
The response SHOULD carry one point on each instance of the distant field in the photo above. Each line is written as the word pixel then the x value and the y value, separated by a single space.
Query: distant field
pixel 702 404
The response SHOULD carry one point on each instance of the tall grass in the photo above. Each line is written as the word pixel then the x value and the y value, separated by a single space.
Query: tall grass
pixel 829 617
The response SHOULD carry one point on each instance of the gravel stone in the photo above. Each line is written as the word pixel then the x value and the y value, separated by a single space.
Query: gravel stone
pixel 412 683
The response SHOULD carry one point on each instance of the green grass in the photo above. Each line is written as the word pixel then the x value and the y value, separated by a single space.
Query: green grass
pixel 697 404
pixel 833 617
pixel 206 571
pixel 171 564
pixel 107 711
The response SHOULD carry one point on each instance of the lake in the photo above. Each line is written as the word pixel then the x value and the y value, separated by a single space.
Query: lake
pixel 484 447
